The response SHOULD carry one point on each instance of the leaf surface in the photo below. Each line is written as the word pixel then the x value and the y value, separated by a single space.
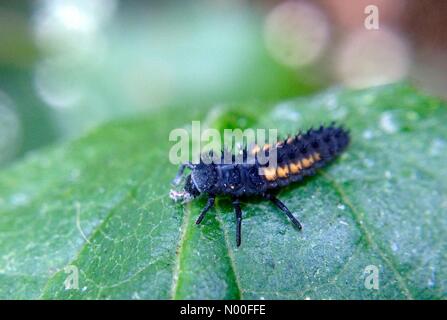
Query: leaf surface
pixel 100 205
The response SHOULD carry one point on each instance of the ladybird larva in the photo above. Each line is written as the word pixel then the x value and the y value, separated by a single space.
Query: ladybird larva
pixel 297 157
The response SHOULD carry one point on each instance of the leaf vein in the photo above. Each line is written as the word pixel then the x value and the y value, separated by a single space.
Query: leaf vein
pixel 369 238
pixel 97 230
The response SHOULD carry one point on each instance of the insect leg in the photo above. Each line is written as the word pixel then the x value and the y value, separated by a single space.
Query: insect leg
pixel 181 169
pixel 238 211
pixel 208 206
pixel 283 208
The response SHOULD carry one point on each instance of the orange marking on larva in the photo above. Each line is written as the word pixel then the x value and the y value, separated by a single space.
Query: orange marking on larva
pixel 266 147
pixel 290 140
pixel 279 144
pixel 282 172
pixel 307 162
pixel 269 173
pixel 316 156
pixel 295 168
pixel 255 149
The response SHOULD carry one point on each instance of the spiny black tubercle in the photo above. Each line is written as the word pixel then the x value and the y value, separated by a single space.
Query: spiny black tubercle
pixel 297 157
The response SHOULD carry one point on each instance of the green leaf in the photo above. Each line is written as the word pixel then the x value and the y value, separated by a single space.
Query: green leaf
pixel 100 204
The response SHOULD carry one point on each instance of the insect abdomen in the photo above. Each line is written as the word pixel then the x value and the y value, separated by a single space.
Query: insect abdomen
pixel 301 155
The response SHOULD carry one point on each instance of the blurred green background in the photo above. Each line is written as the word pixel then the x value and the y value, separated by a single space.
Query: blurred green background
pixel 67 66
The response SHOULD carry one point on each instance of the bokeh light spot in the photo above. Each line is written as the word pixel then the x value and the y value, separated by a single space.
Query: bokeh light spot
pixel 70 26
pixel 55 83
pixel 296 33
pixel 368 58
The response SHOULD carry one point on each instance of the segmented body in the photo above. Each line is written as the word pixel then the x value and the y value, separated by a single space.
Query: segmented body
pixel 297 157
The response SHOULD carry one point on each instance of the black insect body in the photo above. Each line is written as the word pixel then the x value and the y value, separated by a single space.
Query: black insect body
pixel 297 157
